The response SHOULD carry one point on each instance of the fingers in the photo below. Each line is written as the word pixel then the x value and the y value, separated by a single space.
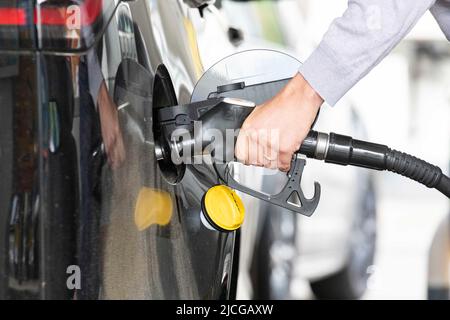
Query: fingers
pixel 247 148
pixel 241 150
pixel 261 148
pixel 284 163
pixel 267 151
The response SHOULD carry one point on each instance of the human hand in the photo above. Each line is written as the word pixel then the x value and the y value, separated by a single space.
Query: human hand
pixel 111 133
pixel 275 130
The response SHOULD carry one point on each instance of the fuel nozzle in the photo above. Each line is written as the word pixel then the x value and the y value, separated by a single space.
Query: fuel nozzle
pixel 206 128
pixel 191 130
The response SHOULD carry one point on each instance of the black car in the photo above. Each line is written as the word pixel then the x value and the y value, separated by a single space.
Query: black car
pixel 86 210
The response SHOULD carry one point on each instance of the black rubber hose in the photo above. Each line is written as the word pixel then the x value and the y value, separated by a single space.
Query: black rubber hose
pixel 444 185
pixel 417 170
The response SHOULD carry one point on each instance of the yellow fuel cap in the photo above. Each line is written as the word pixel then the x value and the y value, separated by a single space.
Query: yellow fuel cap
pixel 222 209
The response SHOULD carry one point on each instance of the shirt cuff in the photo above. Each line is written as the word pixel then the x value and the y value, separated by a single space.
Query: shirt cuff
pixel 326 76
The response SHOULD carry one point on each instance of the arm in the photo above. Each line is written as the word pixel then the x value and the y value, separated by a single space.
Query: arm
pixel 107 109
pixel 441 12
pixel 356 42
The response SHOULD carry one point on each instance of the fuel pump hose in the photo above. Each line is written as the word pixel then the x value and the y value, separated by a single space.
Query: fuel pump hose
pixel 344 150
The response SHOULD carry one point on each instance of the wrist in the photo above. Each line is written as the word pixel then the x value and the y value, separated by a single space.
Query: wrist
pixel 301 90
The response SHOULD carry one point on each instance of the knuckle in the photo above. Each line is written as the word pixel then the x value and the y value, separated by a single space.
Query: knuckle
pixel 286 150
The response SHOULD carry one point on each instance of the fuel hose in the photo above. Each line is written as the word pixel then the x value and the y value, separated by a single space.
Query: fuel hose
pixel 344 150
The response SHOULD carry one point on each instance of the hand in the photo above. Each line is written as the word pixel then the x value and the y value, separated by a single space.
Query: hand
pixel 275 130
pixel 111 134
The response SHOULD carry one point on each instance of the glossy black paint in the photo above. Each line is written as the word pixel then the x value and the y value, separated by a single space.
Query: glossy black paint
pixel 61 203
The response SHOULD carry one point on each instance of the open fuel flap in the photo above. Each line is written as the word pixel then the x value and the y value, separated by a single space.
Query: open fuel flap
pixel 253 75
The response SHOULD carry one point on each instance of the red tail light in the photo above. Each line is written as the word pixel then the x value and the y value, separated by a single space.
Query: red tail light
pixel 13 16
pixel 53 20
pixel 88 12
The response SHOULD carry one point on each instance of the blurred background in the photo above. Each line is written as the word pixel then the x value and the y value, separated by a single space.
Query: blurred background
pixel 404 102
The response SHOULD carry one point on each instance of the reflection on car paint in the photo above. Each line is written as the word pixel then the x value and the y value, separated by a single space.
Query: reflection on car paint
pixel 152 207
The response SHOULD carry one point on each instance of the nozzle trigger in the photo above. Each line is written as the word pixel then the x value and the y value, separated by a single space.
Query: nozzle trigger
pixel 291 196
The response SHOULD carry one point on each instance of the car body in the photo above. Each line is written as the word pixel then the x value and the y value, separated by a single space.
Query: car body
pixel 75 227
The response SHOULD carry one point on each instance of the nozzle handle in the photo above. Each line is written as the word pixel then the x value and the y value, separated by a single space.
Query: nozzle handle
pixel 291 196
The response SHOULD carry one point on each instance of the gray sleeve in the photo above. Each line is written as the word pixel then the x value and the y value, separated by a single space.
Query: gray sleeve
pixel 95 75
pixel 441 12
pixel 356 42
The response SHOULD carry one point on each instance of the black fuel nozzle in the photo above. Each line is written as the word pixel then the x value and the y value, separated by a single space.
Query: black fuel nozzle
pixel 211 127
pixel 194 129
